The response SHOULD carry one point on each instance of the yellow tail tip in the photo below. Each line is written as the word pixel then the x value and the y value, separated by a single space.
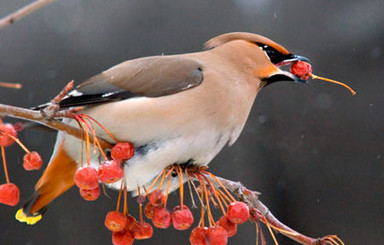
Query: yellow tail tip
pixel 30 220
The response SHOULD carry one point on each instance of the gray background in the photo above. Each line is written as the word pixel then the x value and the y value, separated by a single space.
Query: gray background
pixel 314 151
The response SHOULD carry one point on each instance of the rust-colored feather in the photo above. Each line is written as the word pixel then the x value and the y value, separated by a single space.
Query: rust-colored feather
pixel 57 178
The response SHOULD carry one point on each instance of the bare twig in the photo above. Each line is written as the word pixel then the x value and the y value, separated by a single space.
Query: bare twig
pixel 48 116
pixel 17 15
pixel 10 85
pixel 54 106
pixel 37 116
pixel 251 198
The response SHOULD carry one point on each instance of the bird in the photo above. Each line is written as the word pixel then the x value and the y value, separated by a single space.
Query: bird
pixel 181 108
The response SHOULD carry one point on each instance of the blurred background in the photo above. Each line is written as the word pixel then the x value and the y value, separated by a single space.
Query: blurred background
pixel 314 151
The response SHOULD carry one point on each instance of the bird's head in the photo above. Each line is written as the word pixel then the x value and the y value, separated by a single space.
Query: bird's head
pixel 267 54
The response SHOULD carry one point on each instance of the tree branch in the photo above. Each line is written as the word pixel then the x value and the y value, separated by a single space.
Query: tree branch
pixel 260 211
pixel 49 116
pixel 17 15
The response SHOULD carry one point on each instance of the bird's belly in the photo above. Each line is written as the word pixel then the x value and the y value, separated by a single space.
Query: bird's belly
pixel 150 159
pixel 145 166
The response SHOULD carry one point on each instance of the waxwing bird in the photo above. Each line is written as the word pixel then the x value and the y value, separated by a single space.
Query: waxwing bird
pixel 173 109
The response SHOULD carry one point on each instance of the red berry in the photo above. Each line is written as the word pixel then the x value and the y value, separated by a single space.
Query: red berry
pixel 230 227
pixel 238 212
pixel 131 221
pixel 182 219
pixel 142 230
pixel 301 69
pixel 32 161
pixel 157 198
pixel 216 235
pixel 122 238
pixel 110 172
pixel 198 236
pixel 9 194
pixel 122 151
pixel 161 218
pixel 149 209
pixel 86 178
pixel 90 194
pixel 115 221
pixel 6 130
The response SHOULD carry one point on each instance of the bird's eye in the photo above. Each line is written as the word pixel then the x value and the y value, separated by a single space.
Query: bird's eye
pixel 274 55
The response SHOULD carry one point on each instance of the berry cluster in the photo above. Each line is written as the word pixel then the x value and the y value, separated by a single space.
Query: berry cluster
pixel 124 227
pixel 87 178
pixel 9 192
pixel 226 226
pixel 181 217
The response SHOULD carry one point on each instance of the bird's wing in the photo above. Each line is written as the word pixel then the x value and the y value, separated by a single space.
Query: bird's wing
pixel 149 77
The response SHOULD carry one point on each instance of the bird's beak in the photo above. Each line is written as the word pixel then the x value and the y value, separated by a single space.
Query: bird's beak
pixel 290 60
pixel 282 75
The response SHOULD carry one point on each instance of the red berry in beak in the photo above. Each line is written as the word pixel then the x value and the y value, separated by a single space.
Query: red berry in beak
pixel 90 194
pixel 230 227
pixel 110 172
pixel 161 218
pixel 301 69
pixel 116 221
pixel 198 236
pixel 6 130
pixel 149 209
pixel 217 235
pixel 86 178
pixel 122 238
pixel 157 198
pixel 238 212
pixel 142 230
pixel 122 151
pixel 32 161
pixel 182 219
pixel 9 194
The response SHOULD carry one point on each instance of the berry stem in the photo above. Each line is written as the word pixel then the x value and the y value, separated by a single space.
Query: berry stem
pixel 125 201
pixel 170 171
pixel 181 188
pixel 333 81
pixel 5 164
pixel 168 175
pixel 119 198
pixel 19 143
pixel 215 194
pixel 210 217
pixel 190 191
pixel 101 126
pixel 223 197
pixel 257 233
pixel 105 191
pixel 197 192
pixel 222 186
pixel 85 126
pixel 202 211
pixel 82 141
pixel 272 235
pixel 153 183
pixel 140 205
pixel 167 191
pixel 162 179
pixel 96 143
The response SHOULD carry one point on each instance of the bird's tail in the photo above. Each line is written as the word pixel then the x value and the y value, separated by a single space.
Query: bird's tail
pixel 56 179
